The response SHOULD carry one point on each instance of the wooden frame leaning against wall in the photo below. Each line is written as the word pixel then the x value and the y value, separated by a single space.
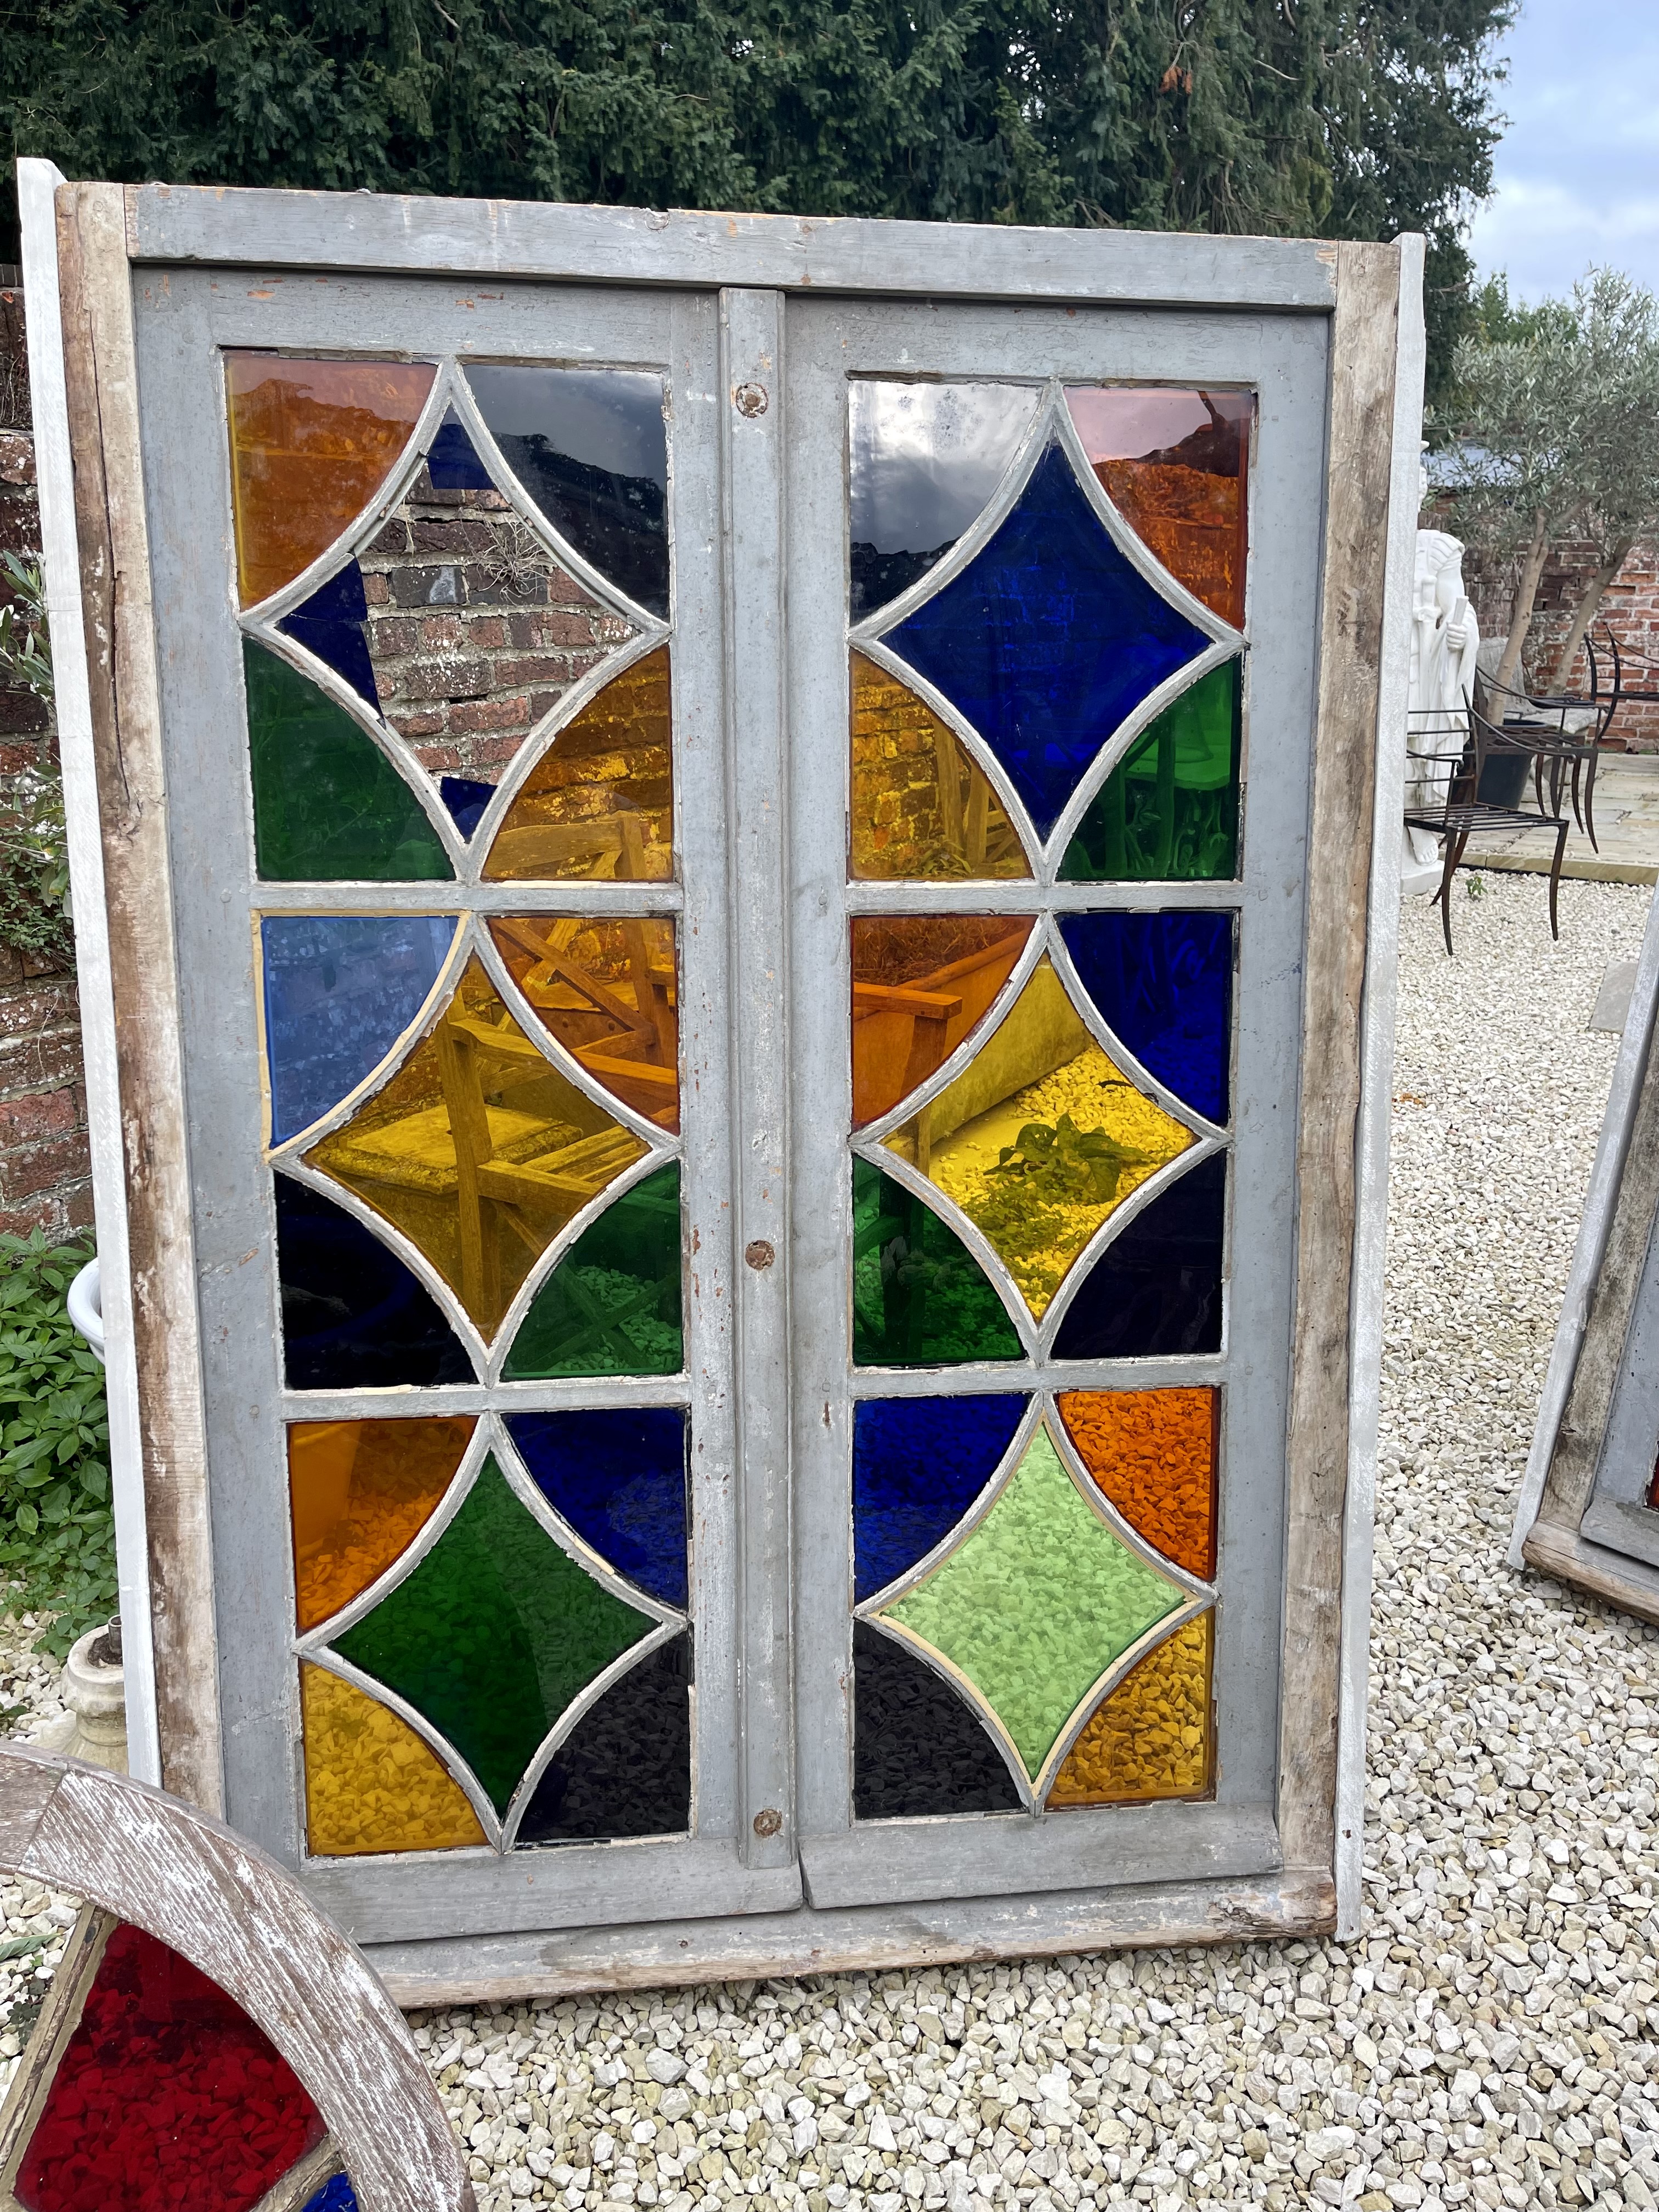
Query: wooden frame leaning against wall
pixel 137 270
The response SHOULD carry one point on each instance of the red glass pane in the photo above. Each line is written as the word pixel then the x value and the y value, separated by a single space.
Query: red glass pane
pixel 167 2095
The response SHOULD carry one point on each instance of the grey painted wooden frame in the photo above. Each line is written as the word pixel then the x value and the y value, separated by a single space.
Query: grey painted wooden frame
pixel 1349 316
pixel 139 1856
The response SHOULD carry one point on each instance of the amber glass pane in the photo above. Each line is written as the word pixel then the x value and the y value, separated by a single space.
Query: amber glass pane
pixel 599 804
pixel 1039 1138
pixel 1152 1736
pixel 608 992
pixel 372 1784
pixel 478 1149
pixel 920 809
pixel 310 443
pixel 1176 465
pixel 361 1491
pixel 919 984
pixel 1153 1452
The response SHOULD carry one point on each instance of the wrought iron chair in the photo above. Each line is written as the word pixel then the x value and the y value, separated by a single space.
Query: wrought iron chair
pixel 1446 756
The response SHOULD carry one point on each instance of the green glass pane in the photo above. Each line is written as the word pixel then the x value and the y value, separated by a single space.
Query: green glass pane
pixel 612 1304
pixel 328 806
pixel 1169 811
pixel 920 1297
pixel 493 1634
pixel 1037 1602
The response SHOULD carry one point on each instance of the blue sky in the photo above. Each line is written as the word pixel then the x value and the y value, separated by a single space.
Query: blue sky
pixel 1578 172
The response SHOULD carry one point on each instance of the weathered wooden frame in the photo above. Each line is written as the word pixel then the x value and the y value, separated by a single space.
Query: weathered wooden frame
pixel 106 238
pixel 1582 1513
pixel 137 1856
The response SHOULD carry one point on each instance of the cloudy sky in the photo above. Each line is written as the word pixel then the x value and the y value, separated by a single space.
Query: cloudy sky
pixel 1578 168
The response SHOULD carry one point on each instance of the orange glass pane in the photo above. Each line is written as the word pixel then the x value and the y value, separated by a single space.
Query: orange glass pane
pixel 361 1491
pixel 608 992
pixel 920 809
pixel 1152 1736
pixel 1176 465
pixel 920 983
pixel 478 1149
pixel 599 804
pixel 1153 1454
pixel 372 1784
pixel 310 443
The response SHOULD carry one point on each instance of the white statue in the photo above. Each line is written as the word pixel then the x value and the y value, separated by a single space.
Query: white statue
pixel 1445 639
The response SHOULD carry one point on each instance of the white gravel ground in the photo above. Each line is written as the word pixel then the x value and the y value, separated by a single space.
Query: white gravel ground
pixel 1492 2036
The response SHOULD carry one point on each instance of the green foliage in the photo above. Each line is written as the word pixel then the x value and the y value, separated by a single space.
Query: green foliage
pixel 57 1530
pixel 1066 1164
pixel 34 877
pixel 1346 119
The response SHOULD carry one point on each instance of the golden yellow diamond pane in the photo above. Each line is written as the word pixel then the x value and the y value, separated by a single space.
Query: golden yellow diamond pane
pixel 478 1149
pixel 1041 1138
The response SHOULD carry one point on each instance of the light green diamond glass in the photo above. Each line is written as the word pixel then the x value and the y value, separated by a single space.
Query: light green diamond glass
pixel 1035 1605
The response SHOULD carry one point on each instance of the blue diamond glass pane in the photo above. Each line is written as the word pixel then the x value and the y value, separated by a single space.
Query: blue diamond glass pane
pixel 617 1476
pixel 918 1465
pixel 1155 1291
pixel 1164 984
pixel 1047 639
pixel 452 461
pixel 466 800
pixel 333 624
pixel 340 990
pixel 352 1315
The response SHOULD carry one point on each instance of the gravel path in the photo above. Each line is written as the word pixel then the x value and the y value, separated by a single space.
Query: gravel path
pixel 1491 2039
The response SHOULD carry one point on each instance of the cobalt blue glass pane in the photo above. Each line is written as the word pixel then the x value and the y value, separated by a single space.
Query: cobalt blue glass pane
pixel 617 1475
pixel 340 990
pixel 465 799
pixel 918 1465
pixel 1156 1290
pixel 333 624
pixel 352 1315
pixel 1164 983
pixel 1047 639
pixel 453 462
pixel 336 2194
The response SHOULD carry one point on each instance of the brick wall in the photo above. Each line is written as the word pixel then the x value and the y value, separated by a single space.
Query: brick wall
pixel 45 1176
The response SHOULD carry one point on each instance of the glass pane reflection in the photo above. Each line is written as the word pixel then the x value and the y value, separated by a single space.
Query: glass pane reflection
pixel 925 460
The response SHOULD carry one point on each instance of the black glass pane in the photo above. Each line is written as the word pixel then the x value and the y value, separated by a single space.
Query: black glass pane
pixel 625 1769
pixel 352 1315
pixel 1156 1290
pixel 590 447
pixel 917 1749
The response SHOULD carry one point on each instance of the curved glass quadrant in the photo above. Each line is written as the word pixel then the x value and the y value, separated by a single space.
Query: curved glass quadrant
pixel 339 990
pixel 353 1315
pixel 920 984
pixel 590 447
pixel 478 1149
pixel 922 808
pixel 1164 984
pixel 920 1297
pixel 1176 466
pixel 310 444
pixel 918 1465
pixel 373 1783
pixel 609 992
pixel 924 461
pixel 492 1634
pixel 1156 1291
pixel 1047 639
pixel 920 1750
pixel 1169 811
pixel 1036 1604
pixel 625 1767
pixel 359 1493
pixel 612 1304
pixel 616 1475
pixel 328 806
pixel 1040 1139
pixel 599 802
pixel 1153 1736
pixel 1155 1455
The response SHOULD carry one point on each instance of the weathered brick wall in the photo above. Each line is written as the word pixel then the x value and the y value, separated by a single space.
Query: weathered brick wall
pixel 45 1176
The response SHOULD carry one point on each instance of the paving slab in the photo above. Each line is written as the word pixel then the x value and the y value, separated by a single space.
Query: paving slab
pixel 1627 813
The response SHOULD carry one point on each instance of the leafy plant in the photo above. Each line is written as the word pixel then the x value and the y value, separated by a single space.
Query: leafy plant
pixel 56 1528
pixel 34 876
pixel 1066 1164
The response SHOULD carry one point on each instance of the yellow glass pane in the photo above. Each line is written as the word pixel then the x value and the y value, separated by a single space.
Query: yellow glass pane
pixel 361 1491
pixel 608 991
pixel 478 1149
pixel 310 443
pixel 1039 1138
pixel 599 804
pixel 1152 1736
pixel 372 1785
pixel 920 810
